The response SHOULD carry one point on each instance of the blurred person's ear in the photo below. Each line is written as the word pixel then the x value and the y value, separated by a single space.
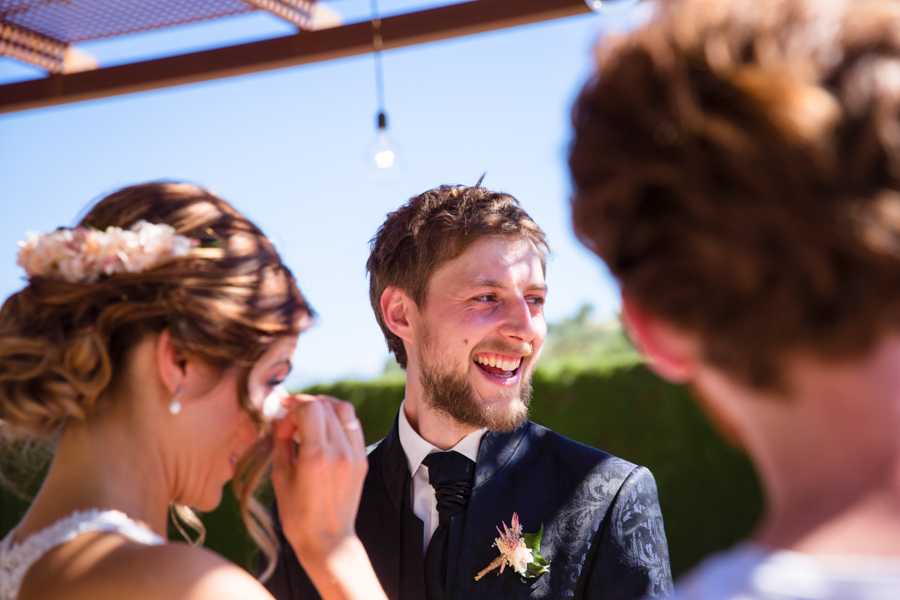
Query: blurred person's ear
pixel 675 356
pixel 670 353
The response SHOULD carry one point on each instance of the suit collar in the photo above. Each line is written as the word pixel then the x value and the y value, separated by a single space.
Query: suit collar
pixel 496 450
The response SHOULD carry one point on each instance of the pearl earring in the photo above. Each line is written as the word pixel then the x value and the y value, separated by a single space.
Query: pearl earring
pixel 175 405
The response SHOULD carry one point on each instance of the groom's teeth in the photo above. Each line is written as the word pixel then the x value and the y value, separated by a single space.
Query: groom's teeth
pixel 499 362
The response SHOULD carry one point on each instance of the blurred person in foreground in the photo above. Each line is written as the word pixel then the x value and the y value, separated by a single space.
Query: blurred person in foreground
pixel 736 164
pixel 148 341
pixel 456 280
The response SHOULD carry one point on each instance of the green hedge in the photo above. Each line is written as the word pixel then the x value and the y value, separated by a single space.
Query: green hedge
pixel 708 492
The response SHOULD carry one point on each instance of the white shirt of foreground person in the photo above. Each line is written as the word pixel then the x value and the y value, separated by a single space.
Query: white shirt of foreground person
pixel 753 572
pixel 424 504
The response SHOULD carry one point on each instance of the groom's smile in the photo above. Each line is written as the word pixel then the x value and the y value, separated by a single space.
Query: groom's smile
pixel 500 366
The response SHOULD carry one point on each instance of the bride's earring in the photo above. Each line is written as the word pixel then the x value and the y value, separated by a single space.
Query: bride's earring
pixel 175 405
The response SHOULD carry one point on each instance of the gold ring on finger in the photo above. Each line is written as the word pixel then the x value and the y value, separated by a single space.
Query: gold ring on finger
pixel 351 425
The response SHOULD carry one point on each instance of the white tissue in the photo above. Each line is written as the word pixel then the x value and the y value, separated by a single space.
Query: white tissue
pixel 272 408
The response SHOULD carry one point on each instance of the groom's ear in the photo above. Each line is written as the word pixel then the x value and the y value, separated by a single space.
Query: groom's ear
pixel 395 309
pixel 670 353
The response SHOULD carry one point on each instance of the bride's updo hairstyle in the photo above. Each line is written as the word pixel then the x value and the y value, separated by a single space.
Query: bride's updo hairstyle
pixel 62 342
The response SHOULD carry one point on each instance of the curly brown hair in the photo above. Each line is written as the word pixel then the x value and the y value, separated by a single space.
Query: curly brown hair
pixel 435 227
pixel 737 166
pixel 62 344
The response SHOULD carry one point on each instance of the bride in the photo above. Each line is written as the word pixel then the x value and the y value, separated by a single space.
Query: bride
pixel 150 339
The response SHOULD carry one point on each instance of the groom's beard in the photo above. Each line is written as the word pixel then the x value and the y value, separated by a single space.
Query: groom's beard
pixel 452 394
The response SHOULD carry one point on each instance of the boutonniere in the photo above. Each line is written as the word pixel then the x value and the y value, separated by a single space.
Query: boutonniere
pixel 518 551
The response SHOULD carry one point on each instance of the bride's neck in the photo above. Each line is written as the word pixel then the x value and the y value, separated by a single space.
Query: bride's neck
pixel 103 463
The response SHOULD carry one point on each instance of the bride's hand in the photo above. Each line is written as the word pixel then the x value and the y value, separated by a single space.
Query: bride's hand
pixel 318 486
pixel 318 489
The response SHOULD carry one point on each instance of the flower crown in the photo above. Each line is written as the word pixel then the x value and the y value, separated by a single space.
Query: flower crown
pixel 80 254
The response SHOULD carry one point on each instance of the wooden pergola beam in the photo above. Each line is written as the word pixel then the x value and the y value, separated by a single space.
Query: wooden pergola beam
pixel 305 47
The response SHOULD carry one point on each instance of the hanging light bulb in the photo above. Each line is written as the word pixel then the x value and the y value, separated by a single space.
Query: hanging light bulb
pixel 383 158
pixel 610 6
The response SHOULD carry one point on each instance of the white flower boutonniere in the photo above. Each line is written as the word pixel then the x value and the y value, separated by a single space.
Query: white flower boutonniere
pixel 518 551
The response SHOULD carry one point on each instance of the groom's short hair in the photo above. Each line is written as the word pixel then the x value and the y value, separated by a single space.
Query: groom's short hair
pixel 435 227
pixel 737 166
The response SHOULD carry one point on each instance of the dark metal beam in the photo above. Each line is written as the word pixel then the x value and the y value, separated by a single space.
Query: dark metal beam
pixel 305 47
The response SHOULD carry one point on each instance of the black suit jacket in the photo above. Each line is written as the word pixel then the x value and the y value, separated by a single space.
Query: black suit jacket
pixel 603 528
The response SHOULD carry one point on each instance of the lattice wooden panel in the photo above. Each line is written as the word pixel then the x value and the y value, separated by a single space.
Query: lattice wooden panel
pixel 73 21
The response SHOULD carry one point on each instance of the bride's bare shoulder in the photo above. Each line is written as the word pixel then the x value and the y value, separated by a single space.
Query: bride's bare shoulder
pixel 110 566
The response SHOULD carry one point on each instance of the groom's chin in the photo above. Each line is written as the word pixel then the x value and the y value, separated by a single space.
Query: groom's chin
pixel 457 398
pixel 506 418
pixel 501 416
pixel 509 414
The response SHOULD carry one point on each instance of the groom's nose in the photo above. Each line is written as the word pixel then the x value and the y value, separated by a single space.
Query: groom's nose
pixel 519 323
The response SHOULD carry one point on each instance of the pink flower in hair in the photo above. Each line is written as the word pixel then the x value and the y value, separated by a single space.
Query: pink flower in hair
pixel 82 255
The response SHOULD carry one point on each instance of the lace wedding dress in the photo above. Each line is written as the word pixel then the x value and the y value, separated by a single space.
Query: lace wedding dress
pixel 16 559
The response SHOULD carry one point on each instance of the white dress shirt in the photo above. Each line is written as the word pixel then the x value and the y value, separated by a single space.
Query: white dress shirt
pixel 424 504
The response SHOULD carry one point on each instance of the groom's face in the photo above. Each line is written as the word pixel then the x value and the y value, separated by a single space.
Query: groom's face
pixel 480 333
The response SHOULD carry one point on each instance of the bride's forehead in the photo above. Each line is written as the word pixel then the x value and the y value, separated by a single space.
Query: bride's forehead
pixel 280 351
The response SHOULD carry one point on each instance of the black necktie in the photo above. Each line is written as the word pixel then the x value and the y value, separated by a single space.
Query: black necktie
pixel 451 475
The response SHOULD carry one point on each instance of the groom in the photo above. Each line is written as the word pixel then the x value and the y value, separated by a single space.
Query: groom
pixel 457 285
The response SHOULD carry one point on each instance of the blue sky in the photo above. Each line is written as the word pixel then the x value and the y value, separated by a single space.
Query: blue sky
pixel 288 148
